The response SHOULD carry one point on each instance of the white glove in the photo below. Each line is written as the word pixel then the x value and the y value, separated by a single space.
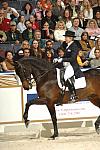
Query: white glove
pixel 55 60
pixel 60 60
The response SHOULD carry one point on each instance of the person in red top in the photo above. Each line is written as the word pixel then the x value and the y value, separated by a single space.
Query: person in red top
pixel 4 22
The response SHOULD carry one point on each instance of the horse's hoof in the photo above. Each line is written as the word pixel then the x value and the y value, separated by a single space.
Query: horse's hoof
pixel 98 130
pixel 53 136
pixel 27 123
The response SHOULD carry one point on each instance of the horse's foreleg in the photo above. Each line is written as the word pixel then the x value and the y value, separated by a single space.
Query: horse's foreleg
pixel 54 120
pixel 97 125
pixel 38 101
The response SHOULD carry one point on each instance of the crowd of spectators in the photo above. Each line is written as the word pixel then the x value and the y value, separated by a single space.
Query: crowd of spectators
pixel 38 30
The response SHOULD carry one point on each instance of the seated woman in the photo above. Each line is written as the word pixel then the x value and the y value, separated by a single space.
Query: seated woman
pixel 49 56
pixel 8 64
pixel 86 43
pixel 35 49
pixel 60 31
pixel 81 60
pixel 92 28
pixel 46 32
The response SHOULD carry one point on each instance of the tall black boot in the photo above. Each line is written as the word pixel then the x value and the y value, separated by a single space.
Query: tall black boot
pixel 71 87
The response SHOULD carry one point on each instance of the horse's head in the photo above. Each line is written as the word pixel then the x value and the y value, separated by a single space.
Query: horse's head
pixel 24 73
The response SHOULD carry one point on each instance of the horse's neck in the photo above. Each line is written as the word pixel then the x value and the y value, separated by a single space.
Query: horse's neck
pixel 43 75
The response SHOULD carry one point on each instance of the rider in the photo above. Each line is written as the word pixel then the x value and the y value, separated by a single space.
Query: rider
pixel 70 64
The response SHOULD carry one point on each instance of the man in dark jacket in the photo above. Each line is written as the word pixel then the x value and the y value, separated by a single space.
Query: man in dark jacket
pixel 71 51
pixel 13 35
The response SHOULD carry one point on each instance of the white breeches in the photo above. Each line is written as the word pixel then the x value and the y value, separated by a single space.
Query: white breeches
pixel 69 72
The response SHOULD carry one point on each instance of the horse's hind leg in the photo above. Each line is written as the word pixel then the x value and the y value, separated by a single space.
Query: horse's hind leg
pixel 52 111
pixel 97 125
pixel 39 101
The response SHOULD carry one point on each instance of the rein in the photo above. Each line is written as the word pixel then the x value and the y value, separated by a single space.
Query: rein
pixel 39 77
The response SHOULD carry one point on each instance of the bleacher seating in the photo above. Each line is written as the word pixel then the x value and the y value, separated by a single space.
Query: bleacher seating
pixel 9 46
pixel 17 4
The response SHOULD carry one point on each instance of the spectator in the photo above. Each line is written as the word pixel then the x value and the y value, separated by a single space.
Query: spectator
pixel 97 46
pixel 4 22
pixel 75 8
pixel 26 53
pixel 1 60
pixel 35 24
pixel 60 54
pixel 82 20
pixel 46 32
pixel 49 46
pixel 81 60
pixel 38 12
pixel 75 28
pixel 50 18
pixel 21 24
pixel 37 37
pixel 13 35
pixel 78 31
pixel 3 37
pixel 86 44
pixel 97 18
pixel 95 62
pixel 46 5
pixel 58 10
pixel 28 33
pixel 49 56
pixel 27 10
pixel 10 13
pixel 8 64
pixel 87 9
pixel 92 28
pixel 96 8
pixel 59 31
pixel 19 54
pixel 67 18
pixel 35 49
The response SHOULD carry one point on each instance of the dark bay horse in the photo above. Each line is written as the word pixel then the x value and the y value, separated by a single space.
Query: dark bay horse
pixel 44 73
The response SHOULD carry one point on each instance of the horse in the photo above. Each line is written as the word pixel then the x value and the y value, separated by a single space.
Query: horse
pixel 45 76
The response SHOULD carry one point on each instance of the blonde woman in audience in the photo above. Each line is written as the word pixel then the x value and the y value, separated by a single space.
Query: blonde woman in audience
pixel 60 31
pixel 92 28
pixel 87 9
pixel 8 64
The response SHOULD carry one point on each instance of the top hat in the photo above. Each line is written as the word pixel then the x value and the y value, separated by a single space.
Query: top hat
pixel 69 33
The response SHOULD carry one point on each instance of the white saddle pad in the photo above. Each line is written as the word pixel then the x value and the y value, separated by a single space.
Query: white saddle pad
pixel 79 83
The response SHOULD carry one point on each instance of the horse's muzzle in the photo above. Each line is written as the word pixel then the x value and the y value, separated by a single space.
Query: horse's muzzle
pixel 25 85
